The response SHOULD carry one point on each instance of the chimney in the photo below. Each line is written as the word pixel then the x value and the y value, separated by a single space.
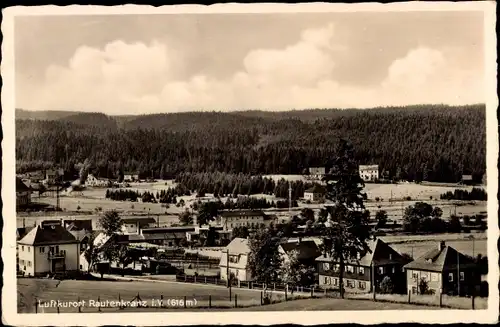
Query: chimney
pixel 442 245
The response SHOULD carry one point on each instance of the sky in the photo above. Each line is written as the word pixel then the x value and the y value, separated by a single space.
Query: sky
pixel 138 64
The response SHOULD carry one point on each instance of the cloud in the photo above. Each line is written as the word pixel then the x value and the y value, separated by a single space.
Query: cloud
pixel 136 77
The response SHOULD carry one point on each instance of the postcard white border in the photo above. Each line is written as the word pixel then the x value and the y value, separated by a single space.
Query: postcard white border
pixel 9 301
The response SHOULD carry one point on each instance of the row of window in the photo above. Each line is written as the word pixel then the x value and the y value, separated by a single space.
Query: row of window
pixel 434 277
pixel 247 224
pixel 51 249
pixel 353 269
pixel 25 263
pixel 348 283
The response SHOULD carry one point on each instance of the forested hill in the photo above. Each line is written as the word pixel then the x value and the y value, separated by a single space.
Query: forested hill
pixel 436 143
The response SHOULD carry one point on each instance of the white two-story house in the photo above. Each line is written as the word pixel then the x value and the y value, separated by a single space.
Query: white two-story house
pixel 48 248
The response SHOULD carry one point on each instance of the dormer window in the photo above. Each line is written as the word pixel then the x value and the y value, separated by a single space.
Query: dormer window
pixel 390 256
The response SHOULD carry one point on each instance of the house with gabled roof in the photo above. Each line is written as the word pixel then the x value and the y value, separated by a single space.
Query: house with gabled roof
pixel 315 193
pixel 443 270
pixel 369 269
pixel 48 248
pixel 234 260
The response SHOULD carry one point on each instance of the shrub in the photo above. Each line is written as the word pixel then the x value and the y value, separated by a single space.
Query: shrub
pixel 386 286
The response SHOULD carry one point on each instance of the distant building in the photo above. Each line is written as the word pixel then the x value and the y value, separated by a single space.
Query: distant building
pixel 238 218
pixel 369 269
pixel 134 225
pixel 445 270
pixel 130 177
pixel 48 248
pixel 467 180
pixel 53 175
pixel 23 194
pixel 234 259
pixel 96 182
pixel 315 193
pixel 369 173
pixel 167 236
pixel 317 172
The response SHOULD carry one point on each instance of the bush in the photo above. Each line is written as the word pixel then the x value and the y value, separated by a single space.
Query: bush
pixel 386 286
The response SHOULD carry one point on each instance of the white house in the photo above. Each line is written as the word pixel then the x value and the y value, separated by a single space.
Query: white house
pixel 129 177
pixel 317 172
pixel 234 259
pixel 369 173
pixel 96 182
pixel 48 248
pixel 315 193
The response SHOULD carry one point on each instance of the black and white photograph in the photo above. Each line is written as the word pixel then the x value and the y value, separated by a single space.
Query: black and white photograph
pixel 267 163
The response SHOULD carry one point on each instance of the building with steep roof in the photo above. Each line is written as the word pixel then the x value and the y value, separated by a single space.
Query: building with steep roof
pixel 442 269
pixel 48 248
pixel 370 268
pixel 234 260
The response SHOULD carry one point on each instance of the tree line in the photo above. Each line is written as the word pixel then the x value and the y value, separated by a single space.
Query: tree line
pixel 476 194
pixel 417 143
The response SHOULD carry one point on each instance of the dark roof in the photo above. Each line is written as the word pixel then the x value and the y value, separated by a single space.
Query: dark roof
pixel 380 254
pixel 78 224
pixel 306 250
pixel 20 186
pixel 54 234
pixel 315 189
pixel 440 260
pixel 239 213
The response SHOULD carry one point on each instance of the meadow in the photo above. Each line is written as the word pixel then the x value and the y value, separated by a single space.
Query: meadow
pixel 31 289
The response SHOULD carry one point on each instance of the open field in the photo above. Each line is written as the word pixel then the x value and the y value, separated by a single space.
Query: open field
pixel 67 291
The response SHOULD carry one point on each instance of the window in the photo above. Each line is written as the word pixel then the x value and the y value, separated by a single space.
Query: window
pixel 462 276
pixel 29 247
pixel 393 270
pixel 21 262
pixel 434 277
pixel 29 263
pixel 22 248
pixel 414 275
pixel 350 269
pixel 361 285
pixel 337 267
pixel 361 270
pixel 335 282
pixel 450 277
pixel 326 266
pixel 42 249
pixel 381 270
pixel 326 280
pixel 350 283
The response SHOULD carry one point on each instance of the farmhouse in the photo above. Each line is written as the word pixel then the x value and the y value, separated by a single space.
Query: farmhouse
pixel 369 173
pixel 315 193
pixel 23 194
pixel 96 182
pixel 369 269
pixel 234 260
pixel 442 269
pixel 168 236
pixel 317 172
pixel 237 218
pixel 48 248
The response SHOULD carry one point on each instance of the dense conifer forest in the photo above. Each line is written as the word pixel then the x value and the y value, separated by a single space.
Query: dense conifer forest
pixel 433 143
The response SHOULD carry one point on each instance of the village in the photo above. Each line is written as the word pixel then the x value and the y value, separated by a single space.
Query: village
pixel 204 239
